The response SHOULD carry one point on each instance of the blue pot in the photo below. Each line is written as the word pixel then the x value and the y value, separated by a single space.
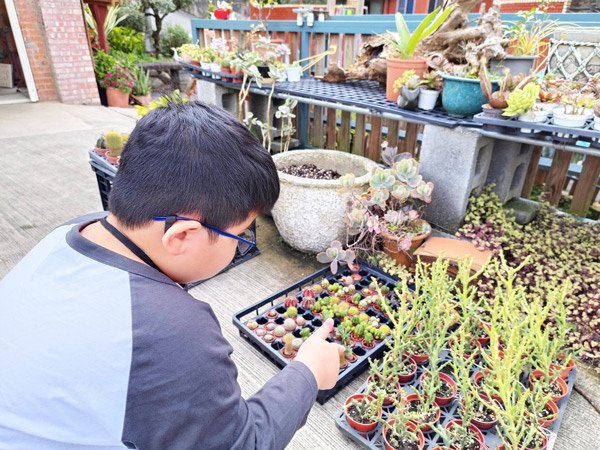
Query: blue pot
pixel 462 97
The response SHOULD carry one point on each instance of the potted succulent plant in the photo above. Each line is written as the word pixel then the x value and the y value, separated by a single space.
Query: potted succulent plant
pixel 400 433
pixel 363 412
pixel 403 45
pixel 100 147
pixel 389 213
pixel 462 94
pixel 408 87
pixel 431 86
pixel 573 114
pixel 522 104
pixel 141 87
pixel 294 72
pixel 189 54
pixel 118 83
pixel 115 142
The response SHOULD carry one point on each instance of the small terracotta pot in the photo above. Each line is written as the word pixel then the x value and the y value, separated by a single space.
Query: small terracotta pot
pixel 143 100
pixel 389 400
pixel 112 159
pixel 396 68
pixel 390 247
pixel 101 151
pixel 537 374
pixel 117 98
pixel 442 401
pixel 545 423
pixel 412 427
pixel 543 447
pixel 478 435
pixel 418 358
pixel 360 427
pixel 408 377
pixel 564 370
pixel 424 427
pixel 480 424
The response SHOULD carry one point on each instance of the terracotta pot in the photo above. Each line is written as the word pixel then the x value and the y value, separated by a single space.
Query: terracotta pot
pixel 418 358
pixel 442 401
pixel 112 159
pixel 396 67
pixel 360 427
pixel 425 427
pixel 545 423
pixel 101 151
pixel 117 98
pixel 412 427
pixel 543 447
pixel 390 246
pixel 564 370
pixel 143 100
pixel 472 428
pixel 537 374
pixel 479 375
pixel 482 425
pixel 408 377
pixel 389 400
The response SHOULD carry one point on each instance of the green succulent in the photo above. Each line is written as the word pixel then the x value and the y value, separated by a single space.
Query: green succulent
pixel 520 101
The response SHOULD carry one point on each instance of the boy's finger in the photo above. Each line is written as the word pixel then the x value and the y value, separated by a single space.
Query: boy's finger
pixel 325 329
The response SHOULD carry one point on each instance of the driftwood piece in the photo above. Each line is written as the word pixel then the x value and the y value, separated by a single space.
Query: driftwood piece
pixel 370 63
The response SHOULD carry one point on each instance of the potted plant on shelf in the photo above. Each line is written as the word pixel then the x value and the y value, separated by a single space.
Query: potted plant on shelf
pixel 118 83
pixel 189 54
pixel 403 44
pixel 431 86
pixel 522 105
pixel 527 41
pixel 462 94
pixel 141 87
pixel 408 88
pixel 573 114
pixel 293 72
pixel 115 142
pixel 400 433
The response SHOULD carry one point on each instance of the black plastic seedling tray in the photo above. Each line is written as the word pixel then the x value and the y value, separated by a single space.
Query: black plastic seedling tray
pixel 105 174
pixel 258 312
pixel 582 137
pixel 374 439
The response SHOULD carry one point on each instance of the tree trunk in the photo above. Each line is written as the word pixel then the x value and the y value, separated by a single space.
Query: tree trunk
pixel 156 33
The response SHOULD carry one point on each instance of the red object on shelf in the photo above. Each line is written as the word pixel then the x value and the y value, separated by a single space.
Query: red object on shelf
pixel 222 14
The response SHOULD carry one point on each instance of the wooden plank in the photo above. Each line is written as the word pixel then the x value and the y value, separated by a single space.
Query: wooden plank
pixel 374 146
pixel 392 135
pixel 319 46
pixel 534 162
pixel 586 185
pixel 358 143
pixel 334 40
pixel 348 50
pixel 344 136
pixel 318 137
pixel 557 176
pixel 409 143
pixel 331 128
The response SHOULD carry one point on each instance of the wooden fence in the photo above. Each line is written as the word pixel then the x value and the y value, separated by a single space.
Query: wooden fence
pixel 363 134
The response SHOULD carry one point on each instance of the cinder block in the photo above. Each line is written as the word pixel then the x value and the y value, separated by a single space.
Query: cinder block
pixel 457 162
pixel 508 168
pixel 259 105
pixel 214 94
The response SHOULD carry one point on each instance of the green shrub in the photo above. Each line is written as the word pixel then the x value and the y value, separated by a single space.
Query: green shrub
pixel 126 40
pixel 135 18
pixel 103 63
pixel 173 37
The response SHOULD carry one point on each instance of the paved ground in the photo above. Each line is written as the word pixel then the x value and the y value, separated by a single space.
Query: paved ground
pixel 46 180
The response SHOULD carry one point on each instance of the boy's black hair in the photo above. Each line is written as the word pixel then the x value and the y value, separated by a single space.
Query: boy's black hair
pixel 193 158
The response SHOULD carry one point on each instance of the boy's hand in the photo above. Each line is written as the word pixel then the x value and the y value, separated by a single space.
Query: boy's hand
pixel 321 357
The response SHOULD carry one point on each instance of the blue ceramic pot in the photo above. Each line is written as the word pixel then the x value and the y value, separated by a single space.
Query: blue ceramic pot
pixel 462 97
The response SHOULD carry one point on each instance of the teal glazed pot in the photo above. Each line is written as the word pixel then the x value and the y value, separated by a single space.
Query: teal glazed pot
pixel 463 97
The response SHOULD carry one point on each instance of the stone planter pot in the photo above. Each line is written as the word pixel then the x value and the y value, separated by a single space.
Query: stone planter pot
pixel 515 64
pixel 310 213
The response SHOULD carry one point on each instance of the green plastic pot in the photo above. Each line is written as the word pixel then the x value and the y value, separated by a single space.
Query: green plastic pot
pixel 463 97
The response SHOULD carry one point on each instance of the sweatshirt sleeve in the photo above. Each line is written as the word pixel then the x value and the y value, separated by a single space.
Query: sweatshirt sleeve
pixel 183 391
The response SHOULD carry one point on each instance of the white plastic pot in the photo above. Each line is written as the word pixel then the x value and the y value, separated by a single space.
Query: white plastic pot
pixel 215 68
pixel 205 67
pixel 568 120
pixel 533 117
pixel 293 74
pixel 596 123
pixel 428 99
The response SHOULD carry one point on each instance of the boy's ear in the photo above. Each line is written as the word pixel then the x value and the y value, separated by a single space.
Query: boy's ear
pixel 178 236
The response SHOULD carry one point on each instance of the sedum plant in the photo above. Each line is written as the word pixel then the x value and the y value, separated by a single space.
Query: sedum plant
pixel 520 101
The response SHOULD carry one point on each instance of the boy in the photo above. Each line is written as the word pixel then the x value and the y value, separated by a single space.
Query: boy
pixel 101 348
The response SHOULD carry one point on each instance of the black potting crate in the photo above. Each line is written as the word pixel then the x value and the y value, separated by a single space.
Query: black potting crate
pixel 272 350
pixel 105 174
pixel 374 439
pixel 585 137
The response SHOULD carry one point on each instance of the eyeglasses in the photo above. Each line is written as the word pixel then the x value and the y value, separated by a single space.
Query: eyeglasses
pixel 246 240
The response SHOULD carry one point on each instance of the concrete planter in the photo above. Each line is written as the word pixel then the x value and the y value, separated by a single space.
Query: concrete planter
pixel 310 213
